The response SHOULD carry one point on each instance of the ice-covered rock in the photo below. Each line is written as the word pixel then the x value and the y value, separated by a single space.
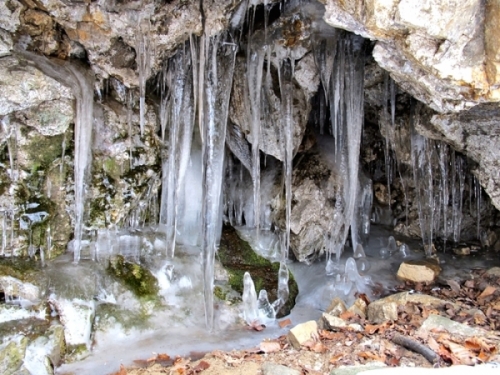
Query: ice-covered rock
pixel 12 351
pixel 77 316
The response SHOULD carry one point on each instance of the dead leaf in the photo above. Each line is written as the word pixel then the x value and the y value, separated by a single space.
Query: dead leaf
pixel 270 346
pixel 329 335
pixel 372 356
pixel 461 354
pixel 256 326
pixel 488 291
pixel 335 358
pixel 163 357
pixel 346 315
pixel 201 366
pixel 318 347
pixel 122 371
pixel 392 362
pixel 469 283
pixel 284 323
pixel 453 285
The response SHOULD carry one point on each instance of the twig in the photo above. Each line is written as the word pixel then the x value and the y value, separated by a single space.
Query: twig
pixel 417 347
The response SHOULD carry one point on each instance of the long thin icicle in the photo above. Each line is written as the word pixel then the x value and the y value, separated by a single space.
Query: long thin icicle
pixel 218 65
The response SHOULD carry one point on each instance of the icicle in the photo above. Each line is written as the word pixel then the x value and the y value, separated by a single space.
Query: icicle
pixel 215 98
pixel 286 88
pixel 254 80
pixel 444 167
pixel 477 193
pixel 143 49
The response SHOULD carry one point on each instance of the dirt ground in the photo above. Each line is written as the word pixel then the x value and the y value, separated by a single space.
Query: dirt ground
pixel 474 302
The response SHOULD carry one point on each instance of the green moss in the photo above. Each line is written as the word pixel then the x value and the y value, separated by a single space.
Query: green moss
pixel 135 277
pixel 112 168
pixel 110 314
pixel 43 150
pixel 19 268
pixel 237 257
pixel 219 293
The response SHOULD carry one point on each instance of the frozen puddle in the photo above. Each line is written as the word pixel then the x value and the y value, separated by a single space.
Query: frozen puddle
pixel 181 330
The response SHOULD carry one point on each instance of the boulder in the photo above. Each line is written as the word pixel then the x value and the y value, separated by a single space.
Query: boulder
pixel 12 350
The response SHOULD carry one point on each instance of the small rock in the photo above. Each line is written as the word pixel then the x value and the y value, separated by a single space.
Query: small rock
pixel 270 368
pixel 419 271
pixel 380 311
pixel 358 308
pixel 337 307
pixel 355 327
pixel 493 272
pixel 301 333
pixel 462 250
pixel 332 322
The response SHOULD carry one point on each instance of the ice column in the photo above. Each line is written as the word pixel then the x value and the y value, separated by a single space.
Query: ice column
pixel 177 115
pixel 217 57
pixel 81 83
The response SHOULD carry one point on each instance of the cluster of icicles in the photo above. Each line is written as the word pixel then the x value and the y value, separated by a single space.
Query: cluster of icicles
pixel 195 87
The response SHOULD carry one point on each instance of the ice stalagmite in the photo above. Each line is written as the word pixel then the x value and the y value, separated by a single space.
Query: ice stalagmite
pixel 217 58
pixel 81 83
pixel 177 115
pixel 249 297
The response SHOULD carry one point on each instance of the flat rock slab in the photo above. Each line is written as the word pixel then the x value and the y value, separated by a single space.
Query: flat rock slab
pixel 486 369
pixel 437 322
pixel 358 369
pixel 270 368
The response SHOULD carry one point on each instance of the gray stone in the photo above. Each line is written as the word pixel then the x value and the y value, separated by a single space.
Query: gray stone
pixel 336 307
pixel 483 369
pixel 438 322
pixel 23 86
pixel 379 312
pixel 332 322
pixel 493 272
pixel 270 368
pixel 302 333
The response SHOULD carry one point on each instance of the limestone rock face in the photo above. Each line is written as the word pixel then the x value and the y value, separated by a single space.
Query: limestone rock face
pixel 477 134
pixel 115 33
pixel 441 51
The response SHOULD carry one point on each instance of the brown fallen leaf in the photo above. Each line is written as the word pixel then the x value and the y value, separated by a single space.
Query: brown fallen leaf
pixel 122 371
pixel 284 323
pixel 488 291
pixel 163 357
pixel 346 315
pixel 371 356
pixel 201 366
pixel 334 359
pixel 329 335
pixel 270 346
pixel 453 285
pixel 256 326
pixel 460 354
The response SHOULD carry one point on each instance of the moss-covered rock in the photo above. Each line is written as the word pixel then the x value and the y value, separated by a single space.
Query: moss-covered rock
pixel 12 353
pixel 237 256
pixel 134 276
